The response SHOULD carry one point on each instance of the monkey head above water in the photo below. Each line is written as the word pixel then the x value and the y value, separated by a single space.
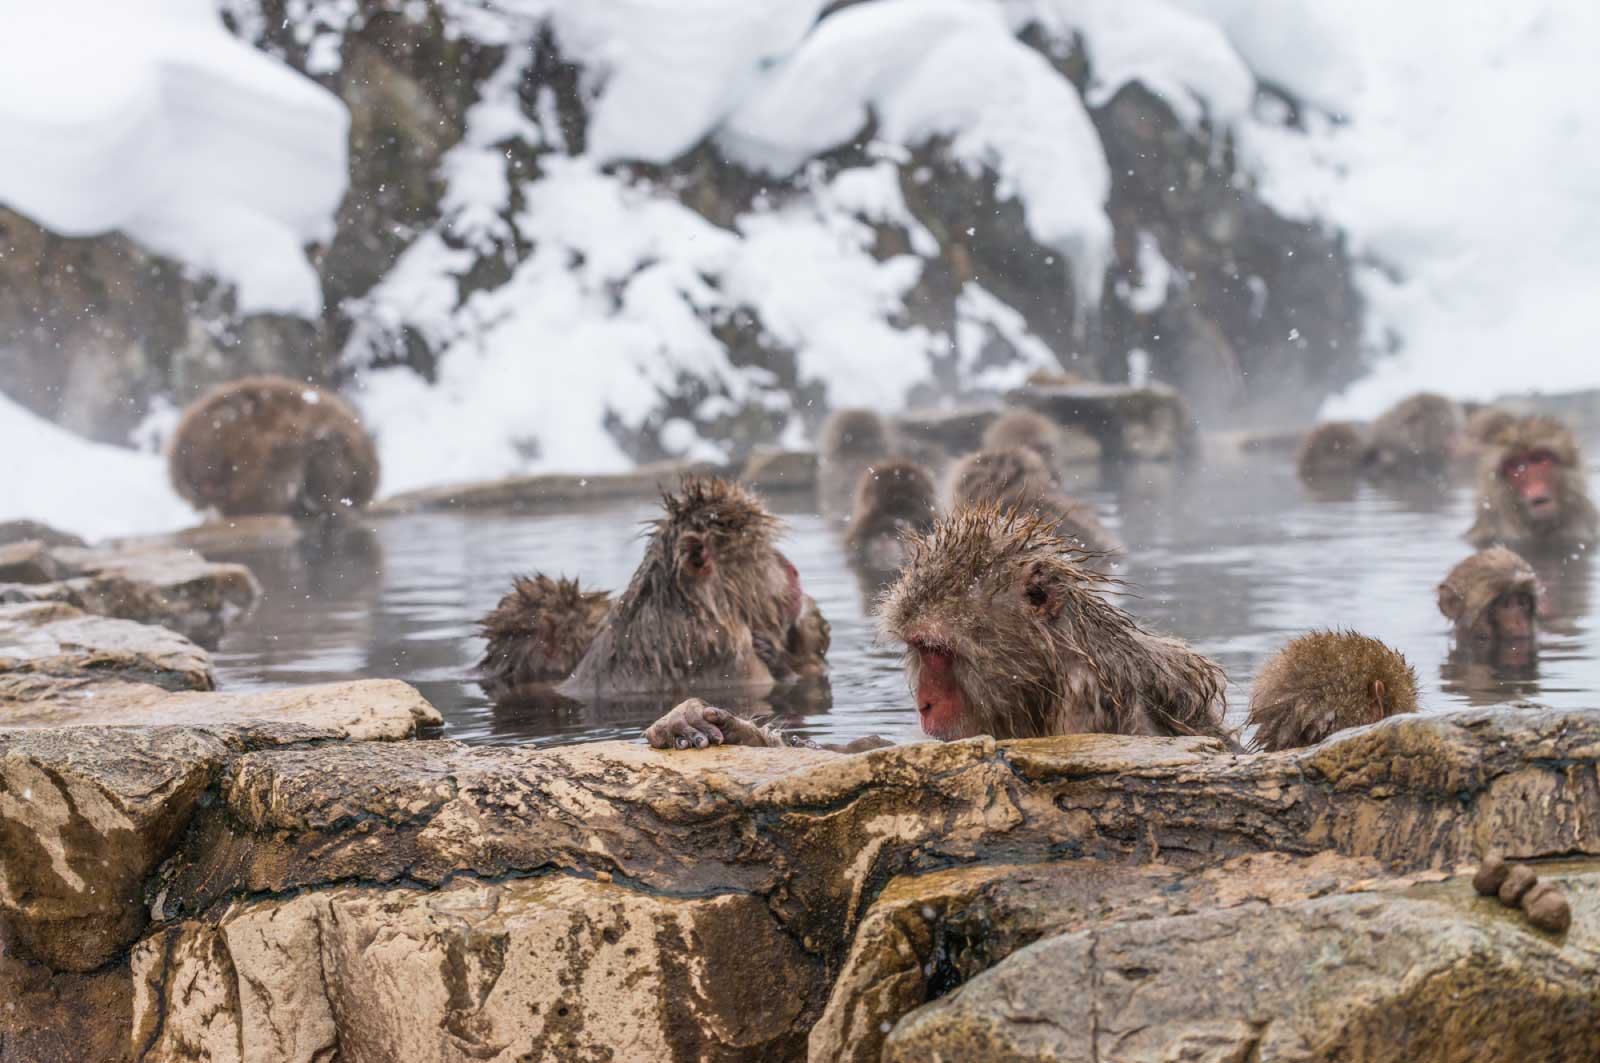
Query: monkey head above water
pixel 1325 682
pixel 713 604
pixel 1417 438
pixel 1492 596
pixel 849 441
pixel 270 445
pixel 892 498
pixel 1332 450
pixel 1008 633
pixel 1531 490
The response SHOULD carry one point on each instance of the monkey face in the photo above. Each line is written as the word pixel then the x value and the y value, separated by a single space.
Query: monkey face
pixel 1534 475
pixel 1512 615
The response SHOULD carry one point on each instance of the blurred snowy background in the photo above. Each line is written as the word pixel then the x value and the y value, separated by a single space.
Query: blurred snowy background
pixel 530 235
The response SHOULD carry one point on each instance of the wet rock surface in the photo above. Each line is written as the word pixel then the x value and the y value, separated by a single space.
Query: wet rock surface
pixel 613 901
pixel 48 645
pixel 150 584
pixel 1427 974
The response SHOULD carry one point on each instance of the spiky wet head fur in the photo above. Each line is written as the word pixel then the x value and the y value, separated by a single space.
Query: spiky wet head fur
pixel 999 477
pixel 1325 682
pixel 1502 516
pixel 539 632
pixel 1007 614
pixel 853 433
pixel 711 580
pixel 1474 585
pixel 1330 450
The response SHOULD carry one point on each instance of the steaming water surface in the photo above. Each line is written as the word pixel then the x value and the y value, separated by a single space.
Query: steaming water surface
pixel 1236 558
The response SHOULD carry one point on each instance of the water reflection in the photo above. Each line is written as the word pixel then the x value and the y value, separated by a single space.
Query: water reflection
pixel 1237 558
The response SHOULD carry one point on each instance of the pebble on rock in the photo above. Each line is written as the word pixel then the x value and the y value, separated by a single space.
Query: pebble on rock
pixel 1519 881
pixel 1546 907
pixel 1491 875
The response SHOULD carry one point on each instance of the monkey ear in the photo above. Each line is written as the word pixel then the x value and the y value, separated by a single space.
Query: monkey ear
pixel 695 554
pixel 1450 603
pixel 1041 590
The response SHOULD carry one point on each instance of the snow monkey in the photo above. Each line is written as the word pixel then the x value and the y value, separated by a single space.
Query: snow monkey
pixel 1019 477
pixel 849 442
pixel 538 633
pixel 1531 491
pixel 1493 595
pixel 1417 438
pixel 273 445
pixel 712 604
pixel 892 498
pixel 1038 433
pixel 1332 450
pixel 1007 633
pixel 1325 682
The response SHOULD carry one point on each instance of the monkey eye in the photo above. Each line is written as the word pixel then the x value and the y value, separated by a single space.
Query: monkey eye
pixel 1542 457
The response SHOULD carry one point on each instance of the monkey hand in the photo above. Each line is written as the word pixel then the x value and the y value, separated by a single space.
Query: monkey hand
pixel 695 725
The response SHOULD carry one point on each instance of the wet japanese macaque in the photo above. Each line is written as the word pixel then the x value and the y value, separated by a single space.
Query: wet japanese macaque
pixel 538 633
pixel 714 604
pixel 1018 477
pixel 1531 490
pixel 1008 634
pixel 1494 596
pixel 1056 445
pixel 850 441
pixel 1333 450
pixel 892 498
pixel 270 445
pixel 1417 438
pixel 999 477
pixel 1325 682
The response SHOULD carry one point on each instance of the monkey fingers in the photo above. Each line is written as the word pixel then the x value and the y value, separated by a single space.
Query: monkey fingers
pixel 691 725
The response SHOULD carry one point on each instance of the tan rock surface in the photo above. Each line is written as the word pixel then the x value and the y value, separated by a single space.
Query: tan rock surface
pixel 58 641
pixel 547 968
pixel 1436 974
pixel 172 588
pixel 98 784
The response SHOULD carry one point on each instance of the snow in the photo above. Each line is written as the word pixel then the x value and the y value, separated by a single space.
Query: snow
pixel 1466 172
pixel 160 124
pixel 940 68
pixel 88 488
pixel 1182 57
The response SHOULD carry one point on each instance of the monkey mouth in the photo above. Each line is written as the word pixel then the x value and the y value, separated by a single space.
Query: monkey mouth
pixel 1541 508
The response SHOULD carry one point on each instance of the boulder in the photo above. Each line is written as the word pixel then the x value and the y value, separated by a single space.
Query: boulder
pixel 520 494
pixel 44 643
pixel 1130 424
pixel 174 588
pixel 773 472
pixel 1435 973
pixel 549 968
pixel 16 531
pixel 28 561
pixel 96 787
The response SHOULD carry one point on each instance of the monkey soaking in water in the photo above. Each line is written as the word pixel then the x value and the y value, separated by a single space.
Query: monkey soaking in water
pixel 713 604
pixel 1325 682
pixel 893 497
pixel 1492 596
pixel 273 445
pixel 1531 490
pixel 1007 633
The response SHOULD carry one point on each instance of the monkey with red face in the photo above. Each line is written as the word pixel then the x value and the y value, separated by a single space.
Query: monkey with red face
pixel 1493 596
pixel 1531 491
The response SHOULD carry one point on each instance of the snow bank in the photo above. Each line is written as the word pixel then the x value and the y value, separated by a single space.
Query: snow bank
pixel 88 488
pixel 1467 169
pixel 146 116
pixel 931 68
pixel 1178 55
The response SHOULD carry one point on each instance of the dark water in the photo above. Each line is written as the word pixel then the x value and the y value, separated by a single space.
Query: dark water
pixel 1236 558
